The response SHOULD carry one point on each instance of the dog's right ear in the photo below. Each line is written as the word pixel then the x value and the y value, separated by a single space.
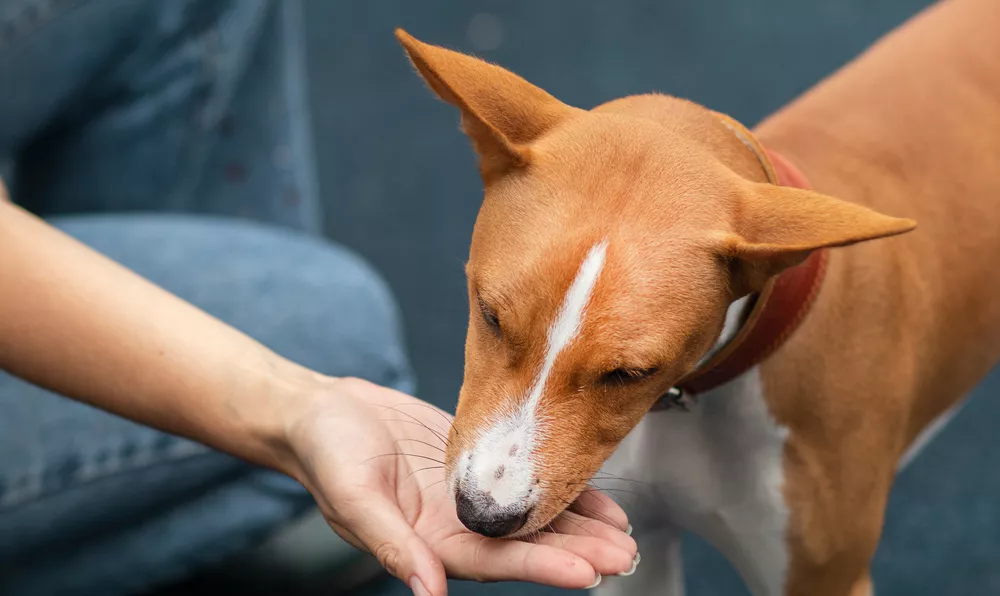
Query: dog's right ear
pixel 501 112
pixel 780 226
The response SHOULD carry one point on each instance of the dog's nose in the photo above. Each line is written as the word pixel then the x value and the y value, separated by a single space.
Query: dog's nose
pixel 480 513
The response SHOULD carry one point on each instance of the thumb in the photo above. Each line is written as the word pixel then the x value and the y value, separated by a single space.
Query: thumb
pixel 381 527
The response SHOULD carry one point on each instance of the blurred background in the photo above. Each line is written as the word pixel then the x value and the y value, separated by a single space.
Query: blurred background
pixel 400 186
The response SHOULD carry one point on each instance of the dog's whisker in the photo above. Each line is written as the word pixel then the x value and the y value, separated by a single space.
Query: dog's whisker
pixel 576 507
pixel 589 515
pixel 628 497
pixel 607 476
pixel 440 437
pixel 433 484
pixel 398 408
pixel 431 445
pixel 448 421
pixel 617 490
pixel 435 460
pixel 603 489
pixel 437 432
pixel 562 517
pixel 562 539
pixel 422 469
pixel 573 507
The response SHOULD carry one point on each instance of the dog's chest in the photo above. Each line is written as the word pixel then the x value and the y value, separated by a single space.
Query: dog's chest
pixel 716 471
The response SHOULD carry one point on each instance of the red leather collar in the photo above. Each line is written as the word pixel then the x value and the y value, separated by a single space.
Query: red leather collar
pixel 777 310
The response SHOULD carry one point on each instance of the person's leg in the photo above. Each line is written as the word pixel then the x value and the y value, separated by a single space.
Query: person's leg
pixel 165 106
pixel 157 105
pixel 93 504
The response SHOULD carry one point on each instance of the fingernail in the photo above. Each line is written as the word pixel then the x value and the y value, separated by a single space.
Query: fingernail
pixel 418 587
pixel 628 530
pixel 635 563
pixel 596 583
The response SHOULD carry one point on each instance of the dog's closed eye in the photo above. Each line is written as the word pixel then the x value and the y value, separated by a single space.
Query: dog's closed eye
pixel 625 376
pixel 490 317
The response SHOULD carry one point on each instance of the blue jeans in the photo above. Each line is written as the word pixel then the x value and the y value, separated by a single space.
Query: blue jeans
pixel 171 135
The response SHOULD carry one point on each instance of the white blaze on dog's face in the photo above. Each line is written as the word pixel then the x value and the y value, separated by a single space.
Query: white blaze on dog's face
pixel 607 250
pixel 498 468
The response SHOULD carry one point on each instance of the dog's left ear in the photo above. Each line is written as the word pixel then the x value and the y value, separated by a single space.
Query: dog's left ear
pixel 779 226
pixel 501 112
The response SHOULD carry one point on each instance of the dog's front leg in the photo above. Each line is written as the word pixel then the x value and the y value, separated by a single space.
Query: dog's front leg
pixel 660 572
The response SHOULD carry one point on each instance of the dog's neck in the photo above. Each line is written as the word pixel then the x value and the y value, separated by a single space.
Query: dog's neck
pixel 758 324
pixel 736 314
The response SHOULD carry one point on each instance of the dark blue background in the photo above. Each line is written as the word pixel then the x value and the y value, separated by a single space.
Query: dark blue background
pixel 400 186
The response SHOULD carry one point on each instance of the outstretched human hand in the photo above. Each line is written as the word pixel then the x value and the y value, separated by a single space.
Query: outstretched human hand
pixel 373 459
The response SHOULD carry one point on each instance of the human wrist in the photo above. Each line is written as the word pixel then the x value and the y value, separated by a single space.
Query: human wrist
pixel 287 394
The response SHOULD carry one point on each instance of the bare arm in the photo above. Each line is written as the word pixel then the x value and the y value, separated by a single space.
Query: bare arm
pixel 74 321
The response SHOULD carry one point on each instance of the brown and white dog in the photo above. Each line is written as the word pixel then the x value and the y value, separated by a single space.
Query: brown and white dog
pixel 650 243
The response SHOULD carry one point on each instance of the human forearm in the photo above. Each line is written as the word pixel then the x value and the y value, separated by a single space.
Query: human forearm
pixel 78 323
pixel 73 321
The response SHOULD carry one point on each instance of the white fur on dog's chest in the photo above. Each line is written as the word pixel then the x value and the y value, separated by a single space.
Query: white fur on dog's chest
pixel 717 471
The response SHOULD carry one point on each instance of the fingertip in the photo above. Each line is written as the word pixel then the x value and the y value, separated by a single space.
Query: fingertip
pixel 621 539
pixel 594 529
pixel 573 572
pixel 417 587
pixel 429 574
pixel 615 561
pixel 583 573
pixel 635 565
pixel 631 546
pixel 597 582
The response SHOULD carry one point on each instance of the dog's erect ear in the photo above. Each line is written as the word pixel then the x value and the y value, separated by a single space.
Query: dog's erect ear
pixel 779 226
pixel 501 112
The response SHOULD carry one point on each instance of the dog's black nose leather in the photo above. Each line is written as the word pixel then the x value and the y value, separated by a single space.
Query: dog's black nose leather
pixel 479 513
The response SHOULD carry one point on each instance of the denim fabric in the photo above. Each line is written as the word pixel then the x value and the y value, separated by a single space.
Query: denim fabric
pixel 93 504
pixel 185 111
pixel 169 105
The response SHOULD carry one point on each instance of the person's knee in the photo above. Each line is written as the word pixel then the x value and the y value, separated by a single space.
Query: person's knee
pixel 341 317
pixel 312 301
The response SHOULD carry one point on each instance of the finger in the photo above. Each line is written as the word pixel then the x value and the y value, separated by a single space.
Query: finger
pixel 596 505
pixel 570 523
pixel 468 556
pixel 606 557
pixel 380 526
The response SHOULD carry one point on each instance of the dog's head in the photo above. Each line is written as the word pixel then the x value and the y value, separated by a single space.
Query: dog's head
pixel 607 250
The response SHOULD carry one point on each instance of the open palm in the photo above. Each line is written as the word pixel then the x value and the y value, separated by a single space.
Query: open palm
pixel 372 457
